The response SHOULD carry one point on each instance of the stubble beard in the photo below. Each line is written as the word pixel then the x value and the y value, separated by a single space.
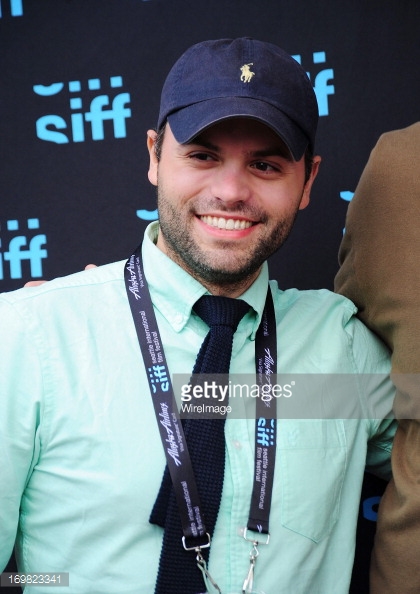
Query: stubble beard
pixel 185 251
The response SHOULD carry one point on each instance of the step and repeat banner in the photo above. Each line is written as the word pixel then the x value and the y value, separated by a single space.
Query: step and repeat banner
pixel 80 85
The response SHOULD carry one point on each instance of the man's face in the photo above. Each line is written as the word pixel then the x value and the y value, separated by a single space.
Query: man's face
pixel 227 200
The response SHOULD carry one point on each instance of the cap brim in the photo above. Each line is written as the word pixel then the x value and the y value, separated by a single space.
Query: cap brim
pixel 190 121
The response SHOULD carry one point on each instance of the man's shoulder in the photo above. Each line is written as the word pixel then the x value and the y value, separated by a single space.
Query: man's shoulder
pixel 311 299
pixel 68 287
pixel 67 306
pixel 327 323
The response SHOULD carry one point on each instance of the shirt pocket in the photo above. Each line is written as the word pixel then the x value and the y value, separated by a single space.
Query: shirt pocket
pixel 312 460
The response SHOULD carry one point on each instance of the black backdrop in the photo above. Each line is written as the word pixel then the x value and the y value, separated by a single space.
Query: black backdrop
pixel 80 84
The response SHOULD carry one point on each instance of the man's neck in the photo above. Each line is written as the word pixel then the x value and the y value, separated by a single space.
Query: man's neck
pixel 232 289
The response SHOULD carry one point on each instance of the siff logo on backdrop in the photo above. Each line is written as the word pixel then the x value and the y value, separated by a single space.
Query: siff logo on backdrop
pixel 48 126
pixel 322 90
pixel 16 252
pixel 321 87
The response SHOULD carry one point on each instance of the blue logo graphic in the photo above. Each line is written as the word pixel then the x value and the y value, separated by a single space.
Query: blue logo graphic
pixel 321 87
pixel 346 195
pixel 101 108
pixel 16 253
pixel 158 375
pixel 265 432
pixel 16 8
pixel 370 508
pixel 147 215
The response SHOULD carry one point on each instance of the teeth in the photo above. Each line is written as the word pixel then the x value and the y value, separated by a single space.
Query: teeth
pixel 222 223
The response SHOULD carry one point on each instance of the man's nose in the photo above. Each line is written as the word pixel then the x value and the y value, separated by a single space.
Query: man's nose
pixel 231 185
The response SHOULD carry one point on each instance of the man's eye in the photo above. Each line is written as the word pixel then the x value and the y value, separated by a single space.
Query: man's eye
pixel 263 166
pixel 201 156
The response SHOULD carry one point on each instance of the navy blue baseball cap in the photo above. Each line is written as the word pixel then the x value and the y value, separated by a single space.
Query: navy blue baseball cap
pixel 225 78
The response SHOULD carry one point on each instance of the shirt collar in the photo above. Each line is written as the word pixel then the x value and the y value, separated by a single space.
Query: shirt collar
pixel 174 291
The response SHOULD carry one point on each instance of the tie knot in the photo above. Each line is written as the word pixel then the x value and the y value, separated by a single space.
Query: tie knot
pixel 221 311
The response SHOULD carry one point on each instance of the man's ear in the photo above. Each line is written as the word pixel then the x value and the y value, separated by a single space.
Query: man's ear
pixel 308 185
pixel 153 160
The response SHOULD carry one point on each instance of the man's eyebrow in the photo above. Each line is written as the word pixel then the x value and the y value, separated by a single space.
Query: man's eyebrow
pixel 274 151
pixel 202 143
pixel 278 150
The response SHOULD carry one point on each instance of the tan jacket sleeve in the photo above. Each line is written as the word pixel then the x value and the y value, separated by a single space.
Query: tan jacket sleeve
pixel 380 272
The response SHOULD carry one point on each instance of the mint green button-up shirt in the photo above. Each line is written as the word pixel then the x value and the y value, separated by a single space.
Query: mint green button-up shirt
pixel 81 459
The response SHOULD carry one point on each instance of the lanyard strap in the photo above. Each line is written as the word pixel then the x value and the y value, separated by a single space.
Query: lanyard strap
pixel 170 428
pixel 265 423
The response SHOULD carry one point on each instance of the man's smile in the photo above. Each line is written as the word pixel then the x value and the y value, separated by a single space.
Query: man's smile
pixel 224 223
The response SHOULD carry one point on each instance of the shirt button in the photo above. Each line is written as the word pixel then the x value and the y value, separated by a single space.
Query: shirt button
pixel 237 444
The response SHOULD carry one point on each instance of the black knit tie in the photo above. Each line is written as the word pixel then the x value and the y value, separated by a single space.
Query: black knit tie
pixel 178 572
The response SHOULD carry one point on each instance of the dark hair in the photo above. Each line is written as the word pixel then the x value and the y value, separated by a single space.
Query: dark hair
pixel 158 141
pixel 161 133
pixel 309 161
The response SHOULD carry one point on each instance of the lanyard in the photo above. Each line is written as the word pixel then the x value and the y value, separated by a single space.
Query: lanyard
pixel 170 428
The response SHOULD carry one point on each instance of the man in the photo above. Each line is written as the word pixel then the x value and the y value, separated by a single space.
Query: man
pixel 232 159
pixel 380 273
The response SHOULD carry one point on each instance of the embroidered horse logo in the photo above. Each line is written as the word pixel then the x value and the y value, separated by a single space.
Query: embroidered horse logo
pixel 247 74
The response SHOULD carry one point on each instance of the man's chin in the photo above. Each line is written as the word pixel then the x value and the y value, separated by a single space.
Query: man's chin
pixel 226 275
